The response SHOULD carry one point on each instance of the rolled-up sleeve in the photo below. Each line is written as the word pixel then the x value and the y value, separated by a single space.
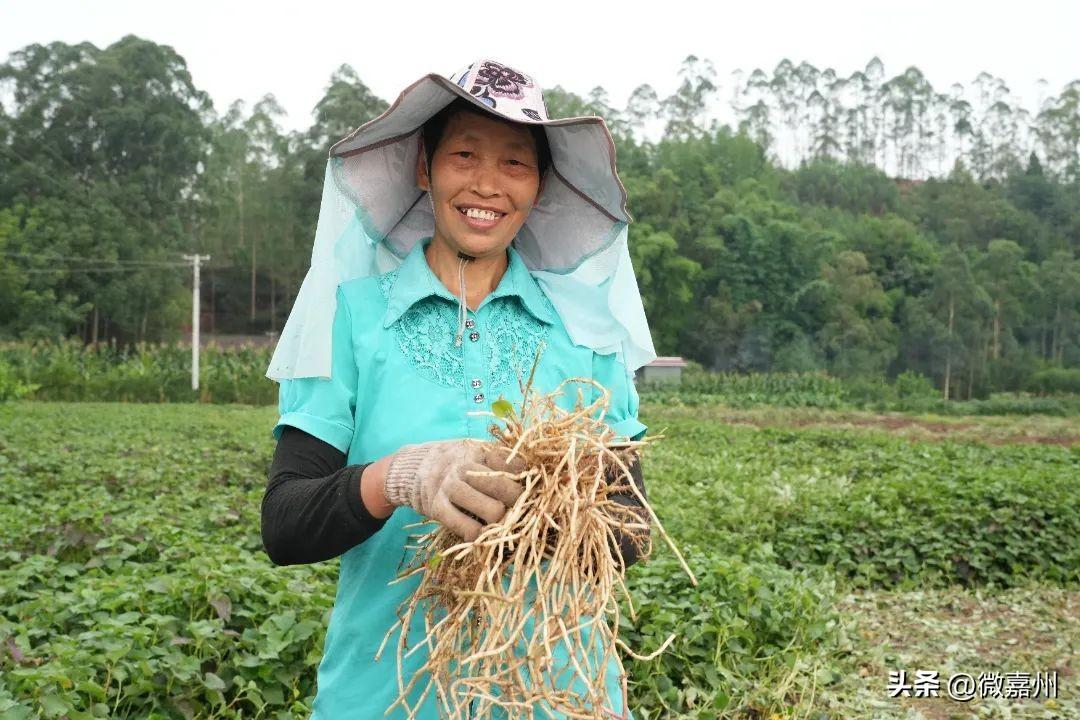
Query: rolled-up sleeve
pixel 622 412
pixel 325 407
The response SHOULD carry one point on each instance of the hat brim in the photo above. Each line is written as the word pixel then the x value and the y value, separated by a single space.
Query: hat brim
pixel 582 149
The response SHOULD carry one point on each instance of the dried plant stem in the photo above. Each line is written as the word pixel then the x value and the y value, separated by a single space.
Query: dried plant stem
pixel 540 585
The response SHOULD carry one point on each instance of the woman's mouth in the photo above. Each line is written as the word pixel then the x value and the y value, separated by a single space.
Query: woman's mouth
pixel 480 218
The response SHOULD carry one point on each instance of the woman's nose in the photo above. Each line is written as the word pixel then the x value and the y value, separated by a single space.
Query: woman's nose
pixel 486 180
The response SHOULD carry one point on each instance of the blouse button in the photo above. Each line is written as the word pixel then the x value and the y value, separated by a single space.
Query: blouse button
pixel 474 336
pixel 478 397
pixel 470 323
pixel 476 382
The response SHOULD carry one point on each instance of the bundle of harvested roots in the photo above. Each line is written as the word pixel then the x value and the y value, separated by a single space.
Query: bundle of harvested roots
pixel 496 609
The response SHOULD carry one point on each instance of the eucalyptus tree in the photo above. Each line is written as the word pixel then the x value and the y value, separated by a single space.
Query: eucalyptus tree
pixel 907 99
pixel 346 104
pixel 1059 282
pixel 942 131
pixel 859 139
pixel 756 124
pixel 1010 281
pixel 991 111
pixel 874 73
pixel 1002 123
pixel 686 108
pixel 642 107
pixel 961 306
pixel 1058 131
pixel 267 149
pixel 806 80
pixel 599 103
pixel 785 91
pixel 754 110
pixel 963 124
pixel 825 125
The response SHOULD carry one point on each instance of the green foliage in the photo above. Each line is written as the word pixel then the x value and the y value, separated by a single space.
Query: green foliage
pixel 910 385
pixel 955 515
pixel 133 582
pixel 1055 380
pixel 909 392
pixel 996 404
pixel 859 189
pixel 666 280
pixel 746 390
pixel 746 629
pixel 879 511
pixel 112 163
pixel 66 370
pixel 104 150
pixel 12 387
pixel 146 372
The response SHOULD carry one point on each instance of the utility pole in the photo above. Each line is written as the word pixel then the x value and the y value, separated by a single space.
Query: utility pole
pixel 195 261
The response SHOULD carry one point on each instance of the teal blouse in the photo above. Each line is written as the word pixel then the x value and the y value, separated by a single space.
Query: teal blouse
pixel 397 378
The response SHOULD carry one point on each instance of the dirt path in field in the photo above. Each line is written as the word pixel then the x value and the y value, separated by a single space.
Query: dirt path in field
pixel 930 430
pixel 994 430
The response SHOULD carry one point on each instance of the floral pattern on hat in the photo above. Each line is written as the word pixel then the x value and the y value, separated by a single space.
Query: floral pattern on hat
pixel 497 79
pixel 502 88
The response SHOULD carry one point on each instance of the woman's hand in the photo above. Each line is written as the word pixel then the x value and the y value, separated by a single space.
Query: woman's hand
pixel 441 479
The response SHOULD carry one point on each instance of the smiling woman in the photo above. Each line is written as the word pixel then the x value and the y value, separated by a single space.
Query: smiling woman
pixel 483 176
pixel 418 311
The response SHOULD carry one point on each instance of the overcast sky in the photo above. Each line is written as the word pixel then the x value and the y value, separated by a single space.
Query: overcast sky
pixel 246 49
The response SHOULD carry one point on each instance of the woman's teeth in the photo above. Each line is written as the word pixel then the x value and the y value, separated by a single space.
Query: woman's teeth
pixel 481 214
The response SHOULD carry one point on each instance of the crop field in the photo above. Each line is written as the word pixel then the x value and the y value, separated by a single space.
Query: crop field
pixel 832 547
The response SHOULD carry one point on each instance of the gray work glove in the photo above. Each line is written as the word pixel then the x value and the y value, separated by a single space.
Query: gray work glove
pixel 434 479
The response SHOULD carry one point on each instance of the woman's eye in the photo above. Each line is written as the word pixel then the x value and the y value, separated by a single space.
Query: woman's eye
pixel 517 162
pixel 464 153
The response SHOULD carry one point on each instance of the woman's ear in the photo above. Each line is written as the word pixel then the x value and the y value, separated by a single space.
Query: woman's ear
pixel 423 178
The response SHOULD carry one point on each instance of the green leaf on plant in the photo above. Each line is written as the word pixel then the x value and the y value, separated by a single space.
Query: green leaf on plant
pixel 502 407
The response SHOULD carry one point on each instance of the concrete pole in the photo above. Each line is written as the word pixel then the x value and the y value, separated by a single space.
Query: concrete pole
pixel 195 261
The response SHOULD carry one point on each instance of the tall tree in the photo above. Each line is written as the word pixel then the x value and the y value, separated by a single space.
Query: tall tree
pixel 686 108
pixel 961 306
pixel 103 153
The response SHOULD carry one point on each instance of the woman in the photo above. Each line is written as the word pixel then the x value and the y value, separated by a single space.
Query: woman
pixel 459 232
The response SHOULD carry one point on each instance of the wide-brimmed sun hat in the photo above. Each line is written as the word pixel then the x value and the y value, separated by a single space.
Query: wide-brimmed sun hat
pixel 372 214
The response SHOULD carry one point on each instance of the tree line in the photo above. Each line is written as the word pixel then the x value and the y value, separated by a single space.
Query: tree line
pixel 864 225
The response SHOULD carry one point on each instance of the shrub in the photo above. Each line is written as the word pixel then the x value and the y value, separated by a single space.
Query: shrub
pixel 1055 380
pixel 11 386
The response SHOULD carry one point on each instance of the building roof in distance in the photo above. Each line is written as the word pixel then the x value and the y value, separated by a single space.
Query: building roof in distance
pixel 668 361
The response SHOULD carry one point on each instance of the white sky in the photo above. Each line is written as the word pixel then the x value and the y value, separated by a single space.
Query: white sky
pixel 246 49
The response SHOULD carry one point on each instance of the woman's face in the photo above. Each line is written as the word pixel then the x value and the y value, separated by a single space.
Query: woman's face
pixel 484 181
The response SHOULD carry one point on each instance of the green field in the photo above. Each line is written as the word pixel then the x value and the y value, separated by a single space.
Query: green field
pixel 830 546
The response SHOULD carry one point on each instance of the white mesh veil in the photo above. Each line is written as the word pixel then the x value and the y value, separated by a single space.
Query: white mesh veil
pixel 372 213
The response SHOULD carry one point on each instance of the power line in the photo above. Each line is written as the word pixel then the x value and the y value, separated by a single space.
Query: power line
pixel 43 271
pixel 48 177
pixel 103 261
